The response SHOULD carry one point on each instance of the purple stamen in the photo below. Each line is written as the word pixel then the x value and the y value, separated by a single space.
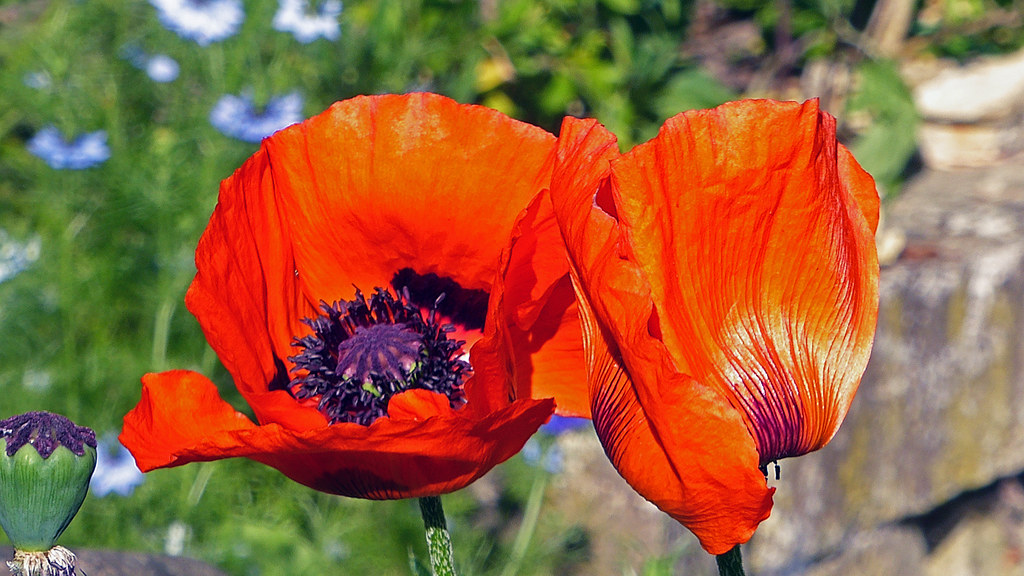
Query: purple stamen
pixel 361 353
pixel 46 432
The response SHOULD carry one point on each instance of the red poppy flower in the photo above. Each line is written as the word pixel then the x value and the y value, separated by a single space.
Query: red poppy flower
pixel 364 395
pixel 728 288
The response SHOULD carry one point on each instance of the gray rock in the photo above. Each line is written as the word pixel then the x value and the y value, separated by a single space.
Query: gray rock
pixel 980 534
pixel 888 551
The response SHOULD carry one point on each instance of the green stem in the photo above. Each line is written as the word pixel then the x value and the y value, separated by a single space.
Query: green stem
pixel 528 526
pixel 439 543
pixel 730 563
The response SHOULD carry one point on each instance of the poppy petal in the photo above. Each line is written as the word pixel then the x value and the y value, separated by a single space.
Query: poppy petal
pixel 696 464
pixel 378 184
pixel 706 475
pixel 858 183
pixel 551 362
pixel 244 292
pixel 405 458
pixel 181 418
pixel 533 339
pixel 428 448
pixel 760 262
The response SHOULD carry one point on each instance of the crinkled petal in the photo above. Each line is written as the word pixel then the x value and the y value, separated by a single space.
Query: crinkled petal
pixel 181 418
pixel 246 296
pixel 689 454
pixel 678 442
pixel 756 236
pixel 378 184
pixel 860 185
pixel 533 341
pixel 426 448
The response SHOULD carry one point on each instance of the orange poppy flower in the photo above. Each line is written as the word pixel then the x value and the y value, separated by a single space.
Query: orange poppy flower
pixel 364 395
pixel 728 288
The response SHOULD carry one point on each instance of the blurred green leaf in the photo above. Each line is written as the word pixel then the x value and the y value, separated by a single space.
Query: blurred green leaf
pixel 623 6
pixel 690 90
pixel 885 147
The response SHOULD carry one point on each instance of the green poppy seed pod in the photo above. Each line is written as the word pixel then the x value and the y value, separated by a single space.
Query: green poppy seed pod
pixel 46 462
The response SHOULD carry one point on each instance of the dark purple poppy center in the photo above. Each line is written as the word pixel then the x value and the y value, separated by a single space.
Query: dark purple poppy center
pixel 45 431
pixel 362 352
pixel 391 350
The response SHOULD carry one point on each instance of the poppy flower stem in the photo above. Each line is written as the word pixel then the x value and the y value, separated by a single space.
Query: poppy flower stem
pixel 439 542
pixel 730 563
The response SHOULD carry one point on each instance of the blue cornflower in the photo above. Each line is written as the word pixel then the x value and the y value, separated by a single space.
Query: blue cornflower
pixel 85 151
pixel 162 68
pixel 237 117
pixel 115 469
pixel 560 424
pixel 204 21
pixel 159 67
pixel 294 16
pixel 15 257
pixel 550 458
pixel 38 80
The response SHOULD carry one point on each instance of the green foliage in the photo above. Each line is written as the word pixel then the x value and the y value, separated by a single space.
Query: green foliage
pixel 616 61
pixel 890 140
pixel 967 28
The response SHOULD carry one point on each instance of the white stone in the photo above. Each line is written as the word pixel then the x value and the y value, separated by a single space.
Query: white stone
pixel 973 115
pixel 987 90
